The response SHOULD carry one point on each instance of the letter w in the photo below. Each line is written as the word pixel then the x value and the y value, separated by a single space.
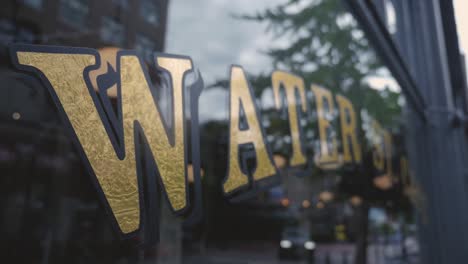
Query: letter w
pixel 115 165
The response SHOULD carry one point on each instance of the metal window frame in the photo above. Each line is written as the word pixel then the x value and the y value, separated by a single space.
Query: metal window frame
pixel 424 58
pixel 368 17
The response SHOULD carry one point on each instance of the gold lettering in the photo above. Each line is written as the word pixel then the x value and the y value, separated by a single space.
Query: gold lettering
pixel 404 172
pixel 291 84
pixel 348 130
pixel 240 94
pixel 378 155
pixel 117 177
pixel 388 151
pixel 328 151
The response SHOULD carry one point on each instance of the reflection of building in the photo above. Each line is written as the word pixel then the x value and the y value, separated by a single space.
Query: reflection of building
pixel 53 202
pixel 129 24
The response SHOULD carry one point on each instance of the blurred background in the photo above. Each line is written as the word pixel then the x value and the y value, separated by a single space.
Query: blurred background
pixel 344 213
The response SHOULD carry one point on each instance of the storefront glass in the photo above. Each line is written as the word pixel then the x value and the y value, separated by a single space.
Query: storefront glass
pixel 208 131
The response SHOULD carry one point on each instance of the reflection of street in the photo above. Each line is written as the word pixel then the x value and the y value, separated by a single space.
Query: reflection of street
pixel 389 254
pixel 335 253
pixel 267 253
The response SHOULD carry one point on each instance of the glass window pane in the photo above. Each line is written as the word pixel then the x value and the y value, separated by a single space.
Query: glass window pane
pixel 75 12
pixel 33 3
pixel 145 46
pixel 288 97
pixel 112 31
pixel 121 3
pixel 149 11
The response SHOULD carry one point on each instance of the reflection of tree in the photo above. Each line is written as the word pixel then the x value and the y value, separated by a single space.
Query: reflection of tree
pixel 324 45
pixel 321 42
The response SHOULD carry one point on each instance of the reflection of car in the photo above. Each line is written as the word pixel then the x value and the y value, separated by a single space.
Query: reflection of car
pixel 412 246
pixel 296 243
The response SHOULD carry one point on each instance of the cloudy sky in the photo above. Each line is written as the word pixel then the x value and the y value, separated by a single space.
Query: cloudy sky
pixel 461 7
pixel 206 31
